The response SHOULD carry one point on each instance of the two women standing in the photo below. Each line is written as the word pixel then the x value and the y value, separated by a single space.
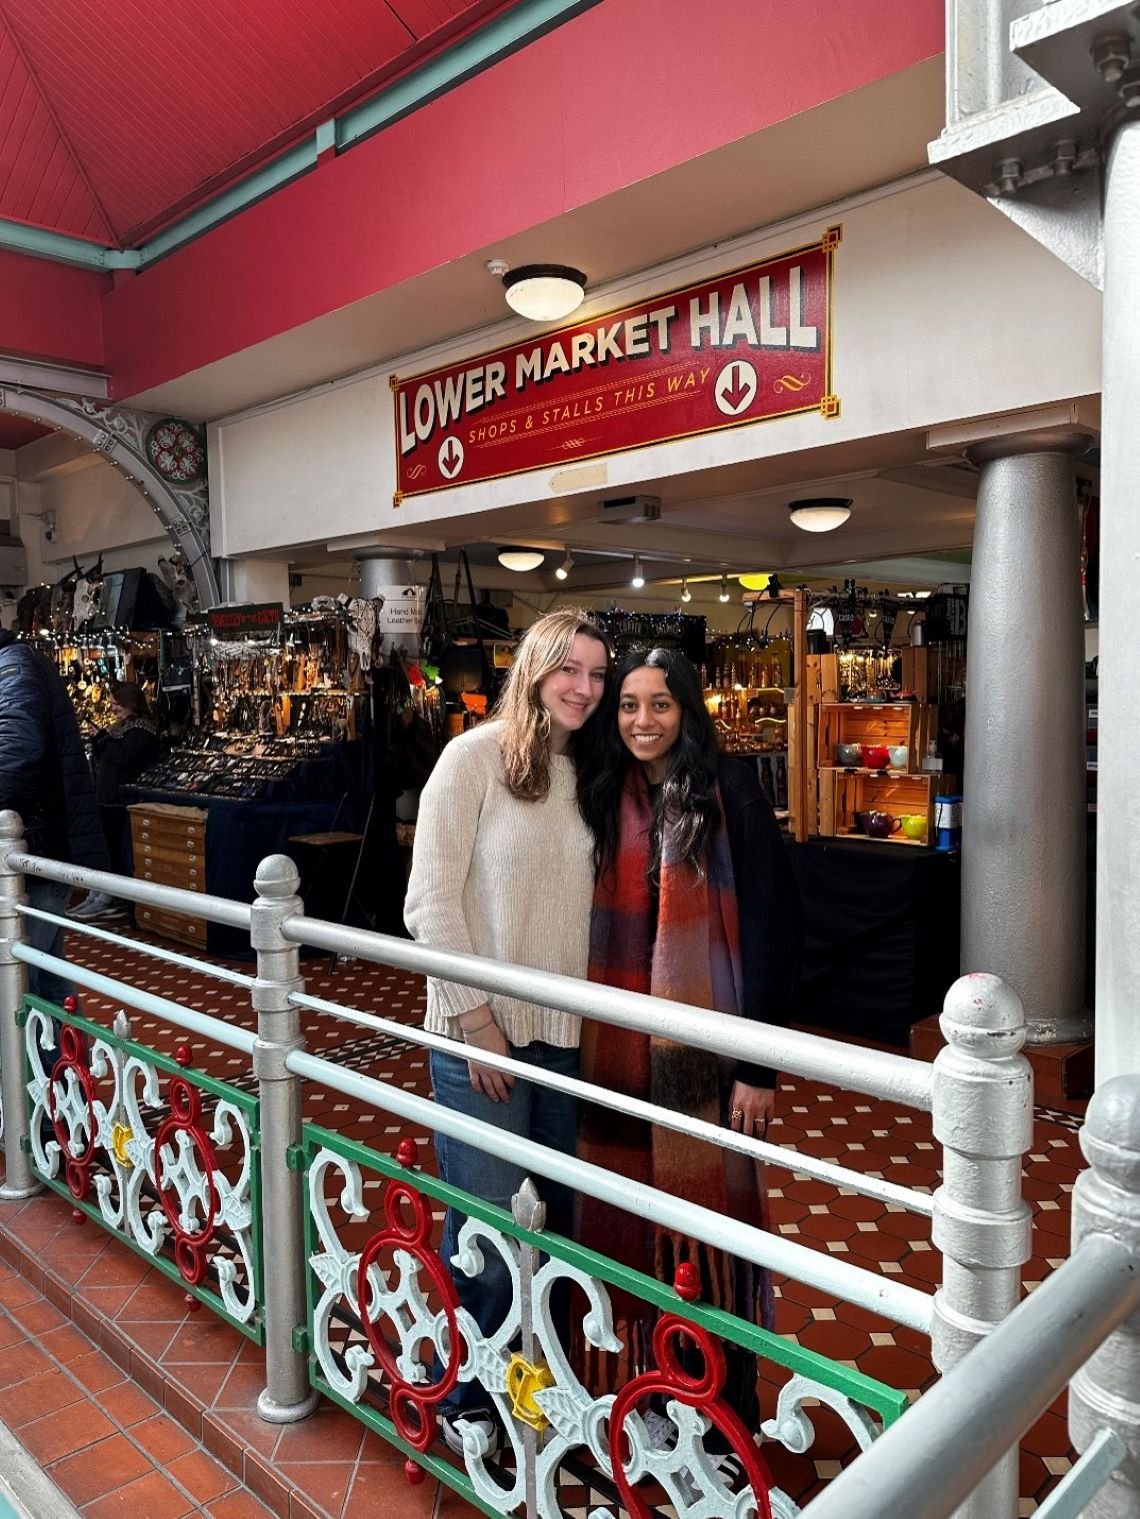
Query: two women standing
pixel 594 826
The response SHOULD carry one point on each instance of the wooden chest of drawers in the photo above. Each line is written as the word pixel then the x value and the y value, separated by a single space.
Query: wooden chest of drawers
pixel 169 844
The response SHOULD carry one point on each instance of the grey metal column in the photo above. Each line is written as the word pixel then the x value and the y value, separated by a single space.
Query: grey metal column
pixel 18 1179
pixel 287 1395
pixel 983 1118
pixel 1105 1393
pixel 1024 820
pixel 390 578
pixel 1118 734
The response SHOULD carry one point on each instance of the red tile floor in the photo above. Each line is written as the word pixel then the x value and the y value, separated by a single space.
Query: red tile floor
pixel 205 1447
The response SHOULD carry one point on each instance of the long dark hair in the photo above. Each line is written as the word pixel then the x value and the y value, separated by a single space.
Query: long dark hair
pixel 688 794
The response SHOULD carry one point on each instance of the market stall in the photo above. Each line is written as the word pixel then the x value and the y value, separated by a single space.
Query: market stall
pixel 291 740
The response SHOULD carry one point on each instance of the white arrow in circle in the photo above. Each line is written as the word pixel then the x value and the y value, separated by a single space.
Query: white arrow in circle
pixel 450 457
pixel 735 388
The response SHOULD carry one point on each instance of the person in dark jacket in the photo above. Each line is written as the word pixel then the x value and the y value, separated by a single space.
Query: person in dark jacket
pixel 45 778
pixel 121 753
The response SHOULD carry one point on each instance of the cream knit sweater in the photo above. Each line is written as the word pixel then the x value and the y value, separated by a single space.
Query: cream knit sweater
pixel 496 876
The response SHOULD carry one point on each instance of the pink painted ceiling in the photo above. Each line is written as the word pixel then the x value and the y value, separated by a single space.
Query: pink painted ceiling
pixel 119 115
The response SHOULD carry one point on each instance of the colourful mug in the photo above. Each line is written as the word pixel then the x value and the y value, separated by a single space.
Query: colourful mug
pixel 848 754
pixel 914 825
pixel 900 756
pixel 876 756
pixel 880 825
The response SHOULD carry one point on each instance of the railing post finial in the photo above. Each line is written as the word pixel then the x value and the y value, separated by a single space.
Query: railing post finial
pixel 1105 1393
pixel 19 1181
pixel 983 1118
pixel 288 1395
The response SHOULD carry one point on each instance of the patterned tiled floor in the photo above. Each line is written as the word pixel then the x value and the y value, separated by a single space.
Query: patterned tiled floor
pixel 328 1465
pixel 108 1447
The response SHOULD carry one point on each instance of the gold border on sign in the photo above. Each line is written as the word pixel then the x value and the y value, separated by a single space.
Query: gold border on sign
pixel 826 243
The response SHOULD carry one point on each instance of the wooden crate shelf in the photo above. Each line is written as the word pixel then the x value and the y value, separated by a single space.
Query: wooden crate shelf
pixel 889 724
pixel 843 793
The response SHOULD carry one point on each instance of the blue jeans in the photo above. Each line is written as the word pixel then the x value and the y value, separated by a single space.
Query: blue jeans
pixel 533 1112
pixel 48 896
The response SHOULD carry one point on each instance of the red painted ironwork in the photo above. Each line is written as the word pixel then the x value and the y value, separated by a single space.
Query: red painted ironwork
pixel 687 1282
pixel 414 1472
pixel 73 1058
pixel 406 1152
pixel 186 1117
pixel 413 1406
pixel 701 1392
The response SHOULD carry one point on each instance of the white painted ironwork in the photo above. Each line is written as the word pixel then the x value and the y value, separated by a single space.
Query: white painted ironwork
pixel 980 1219
pixel 575 1419
pixel 128 1175
pixel 883 1295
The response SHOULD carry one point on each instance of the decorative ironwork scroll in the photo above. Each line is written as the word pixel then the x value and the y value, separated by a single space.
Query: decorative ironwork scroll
pixel 172 1172
pixel 389 1340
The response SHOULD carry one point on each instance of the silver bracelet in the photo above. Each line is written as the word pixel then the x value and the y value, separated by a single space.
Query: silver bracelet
pixel 478 1029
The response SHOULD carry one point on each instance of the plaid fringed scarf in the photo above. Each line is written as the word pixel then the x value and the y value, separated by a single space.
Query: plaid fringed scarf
pixel 694 957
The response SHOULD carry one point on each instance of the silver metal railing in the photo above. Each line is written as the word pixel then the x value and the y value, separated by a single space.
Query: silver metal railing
pixel 978 1090
pixel 1081 1326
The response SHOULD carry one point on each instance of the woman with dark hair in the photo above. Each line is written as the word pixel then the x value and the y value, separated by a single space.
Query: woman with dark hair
pixel 119 755
pixel 695 902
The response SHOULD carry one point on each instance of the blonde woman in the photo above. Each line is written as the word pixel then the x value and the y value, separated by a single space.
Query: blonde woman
pixel 503 867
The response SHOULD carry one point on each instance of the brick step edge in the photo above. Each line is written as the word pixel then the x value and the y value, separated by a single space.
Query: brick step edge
pixel 244 1463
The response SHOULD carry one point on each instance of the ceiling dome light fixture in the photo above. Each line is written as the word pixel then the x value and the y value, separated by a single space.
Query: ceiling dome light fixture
pixel 723 586
pixel 820 514
pixel 686 594
pixel 520 560
pixel 544 292
pixel 563 570
pixel 638 574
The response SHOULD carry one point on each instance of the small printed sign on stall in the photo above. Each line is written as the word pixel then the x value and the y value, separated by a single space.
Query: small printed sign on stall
pixel 748 346
pixel 260 619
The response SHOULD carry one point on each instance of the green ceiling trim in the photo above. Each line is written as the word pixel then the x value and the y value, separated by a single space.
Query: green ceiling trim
pixel 507 33
pixel 64 249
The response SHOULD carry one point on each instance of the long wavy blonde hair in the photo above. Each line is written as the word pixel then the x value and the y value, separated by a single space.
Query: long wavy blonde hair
pixel 525 739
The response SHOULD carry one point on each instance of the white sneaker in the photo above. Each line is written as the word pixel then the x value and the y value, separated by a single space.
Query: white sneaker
pixel 479 1421
pixel 662 1432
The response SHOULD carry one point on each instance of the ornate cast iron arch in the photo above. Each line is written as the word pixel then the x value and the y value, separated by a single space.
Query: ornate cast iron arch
pixel 119 434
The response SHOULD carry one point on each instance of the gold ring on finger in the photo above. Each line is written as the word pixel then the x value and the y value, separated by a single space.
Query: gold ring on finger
pixel 737 1115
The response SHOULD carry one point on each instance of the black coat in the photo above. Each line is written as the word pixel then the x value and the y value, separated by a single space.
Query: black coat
pixel 768 901
pixel 44 775
pixel 121 755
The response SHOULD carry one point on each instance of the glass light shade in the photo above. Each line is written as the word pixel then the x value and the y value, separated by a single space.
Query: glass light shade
pixel 821 514
pixel 686 594
pixel 638 575
pixel 520 559
pixel 544 292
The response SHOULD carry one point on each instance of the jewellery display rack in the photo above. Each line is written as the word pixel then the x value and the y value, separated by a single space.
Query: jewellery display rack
pixel 203 772
pixel 306 681
pixel 90 663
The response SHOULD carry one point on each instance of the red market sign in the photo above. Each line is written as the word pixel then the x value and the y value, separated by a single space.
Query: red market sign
pixel 748 346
